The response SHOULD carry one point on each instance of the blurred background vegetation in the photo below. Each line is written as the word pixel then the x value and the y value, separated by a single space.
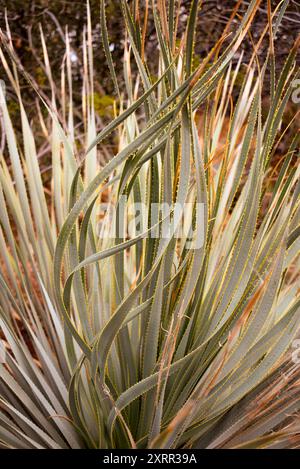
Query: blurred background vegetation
pixel 56 17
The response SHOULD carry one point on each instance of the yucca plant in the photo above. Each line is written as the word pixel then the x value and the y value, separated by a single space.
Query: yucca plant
pixel 121 334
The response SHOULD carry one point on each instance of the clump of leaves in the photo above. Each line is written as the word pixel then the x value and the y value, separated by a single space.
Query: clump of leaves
pixel 139 341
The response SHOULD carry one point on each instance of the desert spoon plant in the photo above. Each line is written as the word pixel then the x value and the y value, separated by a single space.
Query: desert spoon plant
pixel 115 337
